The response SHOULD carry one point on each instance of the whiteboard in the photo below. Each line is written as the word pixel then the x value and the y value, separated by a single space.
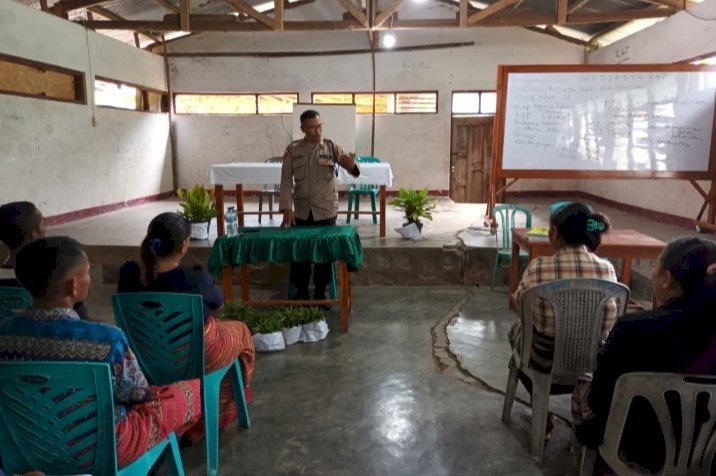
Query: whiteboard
pixel 339 123
pixel 658 121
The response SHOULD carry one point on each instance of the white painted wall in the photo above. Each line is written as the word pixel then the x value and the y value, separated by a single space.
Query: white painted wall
pixel 677 38
pixel 51 152
pixel 417 146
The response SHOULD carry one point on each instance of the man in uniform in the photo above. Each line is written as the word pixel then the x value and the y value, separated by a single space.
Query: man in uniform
pixel 308 182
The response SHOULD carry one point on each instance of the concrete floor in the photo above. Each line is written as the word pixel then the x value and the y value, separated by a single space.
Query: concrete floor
pixel 415 388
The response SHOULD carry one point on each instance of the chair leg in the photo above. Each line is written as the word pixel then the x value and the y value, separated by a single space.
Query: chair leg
pixel 350 206
pixel 176 468
pixel 540 409
pixel 210 402
pixel 495 271
pixel 357 216
pixel 510 391
pixel 237 384
pixel 261 204
pixel 372 205
pixel 270 202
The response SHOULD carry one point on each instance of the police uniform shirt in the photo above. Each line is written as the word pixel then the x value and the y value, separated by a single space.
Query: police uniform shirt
pixel 308 179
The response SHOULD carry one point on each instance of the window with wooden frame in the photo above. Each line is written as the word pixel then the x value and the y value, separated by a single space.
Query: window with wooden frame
pixel 237 104
pixel 23 77
pixel 384 102
pixel 121 95
pixel 472 103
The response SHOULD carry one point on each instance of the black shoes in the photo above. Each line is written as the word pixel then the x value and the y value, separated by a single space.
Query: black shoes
pixel 319 296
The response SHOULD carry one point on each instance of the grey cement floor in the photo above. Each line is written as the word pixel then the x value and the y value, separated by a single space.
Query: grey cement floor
pixel 415 388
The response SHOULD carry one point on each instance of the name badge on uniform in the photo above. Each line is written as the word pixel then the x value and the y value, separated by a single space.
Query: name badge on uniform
pixel 326 162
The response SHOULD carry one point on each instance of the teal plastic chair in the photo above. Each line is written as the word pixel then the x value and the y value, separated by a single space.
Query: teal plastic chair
pixel 506 218
pixel 270 191
pixel 166 333
pixel 332 287
pixel 58 417
pixel 355 192
pixel 13 300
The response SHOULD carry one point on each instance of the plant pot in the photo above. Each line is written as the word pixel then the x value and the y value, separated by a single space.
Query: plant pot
pixel 291 335
pixel 269 342
pixel 410 231
pixel 200 231
pixel 314 331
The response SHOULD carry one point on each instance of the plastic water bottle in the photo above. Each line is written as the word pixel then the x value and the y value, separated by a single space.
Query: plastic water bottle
pixel 231 222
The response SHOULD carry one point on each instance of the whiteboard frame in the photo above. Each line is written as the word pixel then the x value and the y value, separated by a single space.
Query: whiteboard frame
pixel 503 73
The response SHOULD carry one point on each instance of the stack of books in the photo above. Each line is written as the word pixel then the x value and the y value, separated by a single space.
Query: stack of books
pixel 538 232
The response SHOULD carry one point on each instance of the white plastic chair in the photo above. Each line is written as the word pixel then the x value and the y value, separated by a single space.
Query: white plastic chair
pixel 579 310
pixel 687 453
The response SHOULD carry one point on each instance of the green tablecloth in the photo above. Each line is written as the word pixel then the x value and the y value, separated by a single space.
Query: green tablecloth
pixel 318 244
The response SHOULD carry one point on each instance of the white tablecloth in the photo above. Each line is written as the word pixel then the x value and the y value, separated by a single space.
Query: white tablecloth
pixel 261 173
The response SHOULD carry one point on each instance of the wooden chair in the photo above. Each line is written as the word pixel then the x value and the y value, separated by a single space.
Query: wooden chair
pixel 579 310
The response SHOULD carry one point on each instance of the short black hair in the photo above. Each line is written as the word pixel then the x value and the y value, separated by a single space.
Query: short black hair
pixel 42 263
pixel 17 222
pixel 687 259
pixel 309 114
pixel 577 224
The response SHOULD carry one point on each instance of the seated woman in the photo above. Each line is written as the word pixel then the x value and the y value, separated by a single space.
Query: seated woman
pixel 575 232
pixel 55 271
pixel 678 336
pixel 162 250
pixel 20 223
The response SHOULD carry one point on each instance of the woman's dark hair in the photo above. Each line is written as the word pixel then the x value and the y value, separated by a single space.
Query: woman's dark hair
pixel 165 236
pixel 688 259
pixel 577 224
pixel 42 263
pixel 17 222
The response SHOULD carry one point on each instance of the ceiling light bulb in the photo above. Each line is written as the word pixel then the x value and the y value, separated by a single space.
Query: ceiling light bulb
pixel 389 40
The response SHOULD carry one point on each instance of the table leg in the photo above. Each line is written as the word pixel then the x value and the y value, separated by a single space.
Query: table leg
pixel 343 285
pixel 219 202
pixel 240 207
pixel 350 292
pixel 626 271
pixel 244 284
pixel 227 278
pixel 514 272
pixel 382 195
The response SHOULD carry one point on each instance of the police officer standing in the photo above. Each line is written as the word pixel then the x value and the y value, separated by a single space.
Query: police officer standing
pixel 308 182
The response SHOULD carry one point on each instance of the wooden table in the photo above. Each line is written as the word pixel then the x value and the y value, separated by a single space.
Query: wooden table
pixel 263 173
pixel 322 244
pixel 623 243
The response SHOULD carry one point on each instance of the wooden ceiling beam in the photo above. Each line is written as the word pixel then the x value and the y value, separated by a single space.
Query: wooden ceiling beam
pixel 278 15
pixel 168 5
pixel 619 15
pixel 69 5
pixel 676 4
pixel 387 13
pixel 184 14
pixel 116 18
pixel 242 7
pixel 562 6
pixel 464 10
pixel 357 13
pixel 485 13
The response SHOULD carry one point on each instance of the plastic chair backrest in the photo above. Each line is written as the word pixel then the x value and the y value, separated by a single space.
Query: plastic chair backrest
pixel 13 300
pixel 368 160
pixel 506 216
pixel 688 432
pixel 579 311
pixel 57 417
pixel 166 332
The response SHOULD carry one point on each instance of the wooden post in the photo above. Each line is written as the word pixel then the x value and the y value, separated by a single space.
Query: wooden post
pixel 382 195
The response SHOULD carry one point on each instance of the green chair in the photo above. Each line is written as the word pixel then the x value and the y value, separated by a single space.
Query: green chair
pixel 269 191
pixel 13 300
pixel 166 332
pixel 506 218
pixel 58 417
pixel 355 192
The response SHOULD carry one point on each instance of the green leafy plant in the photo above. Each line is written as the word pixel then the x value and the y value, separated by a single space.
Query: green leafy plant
pixel 198 204
pixel 416 204
pixel 266 323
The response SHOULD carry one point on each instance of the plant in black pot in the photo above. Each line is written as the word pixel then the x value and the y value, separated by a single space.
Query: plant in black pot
pixel 416 204
pixel 198 207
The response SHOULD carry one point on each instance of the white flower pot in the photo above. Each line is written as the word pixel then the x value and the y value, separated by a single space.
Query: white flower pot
pixel 291 335
pixel 314 331
pixel 200 231
pixel 409 232
pixel 269 342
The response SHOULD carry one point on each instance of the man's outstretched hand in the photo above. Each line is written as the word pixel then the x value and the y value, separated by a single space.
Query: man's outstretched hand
pixel 289 219
pixel 347 161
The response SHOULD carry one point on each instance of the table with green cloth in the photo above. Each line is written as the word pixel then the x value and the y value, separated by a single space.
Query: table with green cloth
pixel 318 244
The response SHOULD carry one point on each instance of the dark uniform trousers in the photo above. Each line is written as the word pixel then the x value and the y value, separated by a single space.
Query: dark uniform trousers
pixel 300 272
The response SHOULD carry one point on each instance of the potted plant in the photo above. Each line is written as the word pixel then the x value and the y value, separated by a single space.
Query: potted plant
pixel 292 318
pixel 314 327
pixel 416 204
pixel 198 207
pixel 266 330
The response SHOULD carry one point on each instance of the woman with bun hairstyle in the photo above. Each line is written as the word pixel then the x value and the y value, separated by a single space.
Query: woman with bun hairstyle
pixel 161 252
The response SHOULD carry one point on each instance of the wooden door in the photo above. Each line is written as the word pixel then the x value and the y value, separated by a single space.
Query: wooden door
pixel 470 159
